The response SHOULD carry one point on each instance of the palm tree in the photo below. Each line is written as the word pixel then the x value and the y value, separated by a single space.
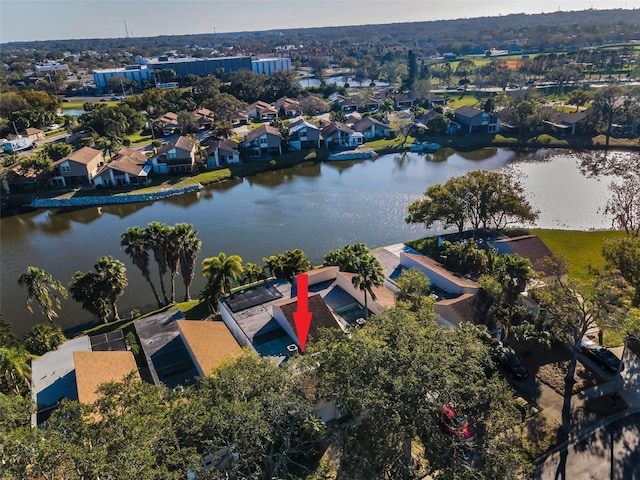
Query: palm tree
pixel 223 269
pixel 43 338
pixel 295 262
pixel 136 244
pixel 15 368
pixel 252 273
pixel 369 274
pixel 44 289
pixel 113 280
pixel 275 265
pixel 222 129
pixel 173 250
pixel 191 245
pixel 86 289
pixel 157 233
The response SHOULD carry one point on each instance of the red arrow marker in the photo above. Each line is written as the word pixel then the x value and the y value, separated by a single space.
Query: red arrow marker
pixel 302 316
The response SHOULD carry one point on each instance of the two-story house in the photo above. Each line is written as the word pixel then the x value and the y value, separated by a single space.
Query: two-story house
pixel 263 141
pixel 473 120
pixel 128 167
pixel 222 152
pixel 371 128
pixel 78 168
pixel 167 122
pixel 176 157
pixel 303 134
pixel 291 108
pixel 261 111
pixel 338 134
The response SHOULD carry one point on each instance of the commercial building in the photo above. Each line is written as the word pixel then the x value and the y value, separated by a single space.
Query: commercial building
pixel 137 73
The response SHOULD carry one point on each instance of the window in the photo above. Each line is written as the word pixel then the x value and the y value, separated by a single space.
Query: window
pixel 65 168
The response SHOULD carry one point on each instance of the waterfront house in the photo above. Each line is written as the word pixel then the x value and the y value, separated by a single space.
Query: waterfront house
pixel 403 101
pixel 533 249
pixel 176 157
pixel 371 128
pixel 564 123
pixel 474 120
pixel 78 168
pixel 128 167
pixel 221 152
pixel 340 135
pixel 263 141
pixel 303 135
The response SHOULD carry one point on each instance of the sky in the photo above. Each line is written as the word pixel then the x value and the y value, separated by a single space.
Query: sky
pixel 22 20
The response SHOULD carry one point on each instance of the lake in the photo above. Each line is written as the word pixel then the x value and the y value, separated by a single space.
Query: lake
pixel 315 207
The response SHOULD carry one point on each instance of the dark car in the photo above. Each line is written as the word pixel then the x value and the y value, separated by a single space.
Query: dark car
pixel 454 424
pixel 510 361
pixel 602 356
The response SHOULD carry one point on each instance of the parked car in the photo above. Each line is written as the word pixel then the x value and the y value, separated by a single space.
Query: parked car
pixel 511 361
pixel 454 424
pixel 54 126
pixel 601 355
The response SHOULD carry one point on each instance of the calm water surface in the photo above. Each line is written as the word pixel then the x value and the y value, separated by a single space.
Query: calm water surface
pixel 315 207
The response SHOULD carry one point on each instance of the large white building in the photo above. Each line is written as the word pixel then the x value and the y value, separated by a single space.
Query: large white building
pixel 268 66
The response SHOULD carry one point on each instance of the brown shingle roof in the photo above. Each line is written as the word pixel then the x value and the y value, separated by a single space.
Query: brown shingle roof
pixel 261 130
pixel 209 342
pixel 322 316
pixel 97 368
pixel 531 248
pixel 84 156
pixel 467 111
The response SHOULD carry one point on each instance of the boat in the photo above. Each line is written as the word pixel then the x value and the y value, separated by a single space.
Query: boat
pixel 425 147
pixel 352 155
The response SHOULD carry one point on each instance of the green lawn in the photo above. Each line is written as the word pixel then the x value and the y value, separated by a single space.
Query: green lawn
pixel 582 249
pixel 164 182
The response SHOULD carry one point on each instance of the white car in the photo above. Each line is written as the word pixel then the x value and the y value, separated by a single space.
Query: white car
pixel 54 126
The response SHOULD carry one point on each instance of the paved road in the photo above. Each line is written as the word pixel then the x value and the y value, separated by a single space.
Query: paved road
pixel 611 453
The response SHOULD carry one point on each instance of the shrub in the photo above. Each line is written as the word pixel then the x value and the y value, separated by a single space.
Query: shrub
pixel 156 143
pixel 126 142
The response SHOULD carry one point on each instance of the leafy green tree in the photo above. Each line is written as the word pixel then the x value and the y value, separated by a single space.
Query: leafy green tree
pixel 383 374
pixel 187 122
pixel 136 243
pixel 283 83
pixel 40 165
pixel 414 288
pixel 577 97
pixel 222 129
pixel 608 102
pixel 480 199
pixel 57 150
pixel 463 257
pixel 571 309
pixel 43 338
pixel 368 275
pixel 464 68
pixel 623 254
pixel 252 272
pixel 438 124
pixel 403 126
pixel 44 289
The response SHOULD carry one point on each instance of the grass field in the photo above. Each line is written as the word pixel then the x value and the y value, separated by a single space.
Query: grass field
pixel 163 182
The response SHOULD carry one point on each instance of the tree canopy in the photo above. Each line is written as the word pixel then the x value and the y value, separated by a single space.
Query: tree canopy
pixel 476 199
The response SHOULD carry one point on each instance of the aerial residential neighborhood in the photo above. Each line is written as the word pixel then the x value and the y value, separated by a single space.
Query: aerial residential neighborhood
pixel 406 250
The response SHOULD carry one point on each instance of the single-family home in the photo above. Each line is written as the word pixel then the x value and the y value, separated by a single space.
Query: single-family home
pixel 262 141
pixel 564 123
pixel 19 179
pixel 434 100
pixel 238 118
pixel 346 104
pixel 78 168
pixel 371 128
pixel 128 167
pixel 33 134
pixel 204 117
pixel 404 101
pixel 338 134
pixel 222 152
pixel 261 111
pixel 438 275
pixel 167 122
pixel 95 368
pixel 178 156
pixel 303 134
pixel 291 108
pixel 371 104
pixel 533 249
pixel 474 120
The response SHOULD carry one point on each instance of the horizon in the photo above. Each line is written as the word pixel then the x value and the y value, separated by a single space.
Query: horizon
pixel 71 20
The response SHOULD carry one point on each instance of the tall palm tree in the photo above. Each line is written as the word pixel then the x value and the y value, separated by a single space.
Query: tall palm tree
pixel 86 289
pixel 113 275
pixel 157 233
pixel 44 289
pixel 223 269
pixel 369 273
pixel 191 245
pixel 275 265
pixel 136 244
pixel 173 251
pixel 252 273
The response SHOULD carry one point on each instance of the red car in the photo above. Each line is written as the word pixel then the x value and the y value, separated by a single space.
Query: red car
pixel 457 425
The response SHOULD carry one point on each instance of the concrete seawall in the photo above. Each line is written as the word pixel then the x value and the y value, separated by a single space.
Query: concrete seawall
pixel 111 199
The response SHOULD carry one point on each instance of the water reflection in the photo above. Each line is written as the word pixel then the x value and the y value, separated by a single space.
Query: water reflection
pixel 316 206
pixel 479 154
